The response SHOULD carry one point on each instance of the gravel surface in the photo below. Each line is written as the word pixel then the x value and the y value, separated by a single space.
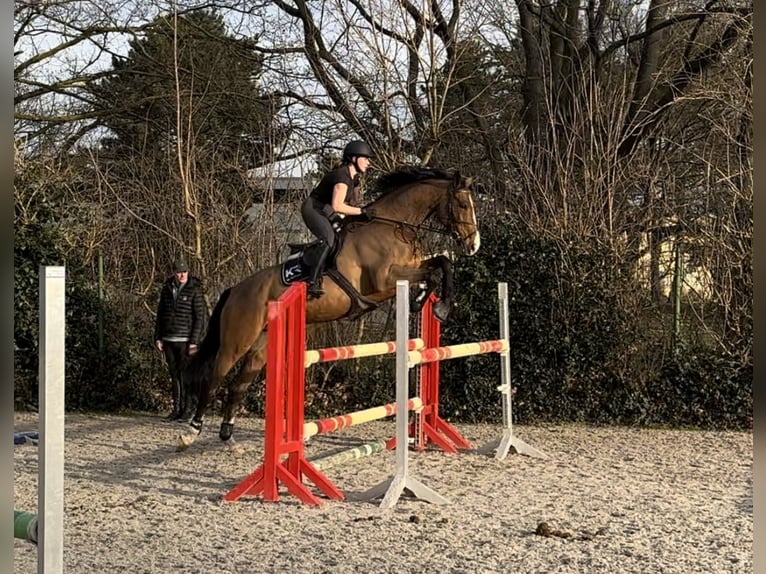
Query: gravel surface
pixel 607 500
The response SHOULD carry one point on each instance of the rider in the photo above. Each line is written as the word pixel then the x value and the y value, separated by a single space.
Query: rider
pixel 335 194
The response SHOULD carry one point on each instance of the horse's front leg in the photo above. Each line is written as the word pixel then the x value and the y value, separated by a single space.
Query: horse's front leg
pixel 385 280
pixel 444 305
pixel 426 271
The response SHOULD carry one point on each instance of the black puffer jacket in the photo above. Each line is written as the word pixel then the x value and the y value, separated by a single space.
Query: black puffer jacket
pixel 183 314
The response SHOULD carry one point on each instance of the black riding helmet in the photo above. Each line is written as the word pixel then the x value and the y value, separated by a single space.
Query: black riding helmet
pixel 356 148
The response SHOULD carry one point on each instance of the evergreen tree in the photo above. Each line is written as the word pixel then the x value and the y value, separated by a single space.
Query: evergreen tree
pixel 189 78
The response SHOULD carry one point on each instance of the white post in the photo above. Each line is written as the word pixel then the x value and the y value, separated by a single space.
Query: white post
pixel 393 487
pixel 504 444
pixel 50 493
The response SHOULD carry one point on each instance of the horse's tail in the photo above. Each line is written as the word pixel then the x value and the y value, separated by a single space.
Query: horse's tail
pixel 200 367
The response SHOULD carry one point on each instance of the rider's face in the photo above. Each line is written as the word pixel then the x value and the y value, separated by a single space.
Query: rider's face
pixel 362 163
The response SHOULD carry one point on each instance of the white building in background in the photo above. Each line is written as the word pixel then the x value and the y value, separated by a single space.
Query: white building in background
pixel 697 280
pixel 277 204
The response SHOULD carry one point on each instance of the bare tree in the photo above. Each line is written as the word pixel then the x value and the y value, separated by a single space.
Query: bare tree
pixel 379 70
pixel 59 47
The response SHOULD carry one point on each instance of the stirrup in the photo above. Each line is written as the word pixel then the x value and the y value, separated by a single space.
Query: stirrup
pixel 315 291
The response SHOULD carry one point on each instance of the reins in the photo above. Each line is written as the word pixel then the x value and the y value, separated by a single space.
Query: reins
pixel 414 226
pixel 418 227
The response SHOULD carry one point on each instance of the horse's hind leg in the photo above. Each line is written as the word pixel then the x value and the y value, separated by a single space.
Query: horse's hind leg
pixel 252 365
pixel 223 363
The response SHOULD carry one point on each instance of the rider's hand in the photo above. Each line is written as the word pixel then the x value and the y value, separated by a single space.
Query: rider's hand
pixel 368 212
pixel 158 344
pixel 192 349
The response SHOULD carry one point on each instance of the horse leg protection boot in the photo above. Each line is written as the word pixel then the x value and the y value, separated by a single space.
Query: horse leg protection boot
pixel 227 429
pixel 315 287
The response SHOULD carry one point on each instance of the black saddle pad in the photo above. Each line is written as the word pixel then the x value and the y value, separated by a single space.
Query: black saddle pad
pixel 294 269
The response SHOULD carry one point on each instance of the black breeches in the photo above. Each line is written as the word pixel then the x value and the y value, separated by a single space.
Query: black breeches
pixel 317 222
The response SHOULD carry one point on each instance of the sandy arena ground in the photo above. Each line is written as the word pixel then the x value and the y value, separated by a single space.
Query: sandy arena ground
pixel 618 501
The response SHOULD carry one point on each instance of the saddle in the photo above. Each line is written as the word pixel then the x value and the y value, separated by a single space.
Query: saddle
pixel 302 259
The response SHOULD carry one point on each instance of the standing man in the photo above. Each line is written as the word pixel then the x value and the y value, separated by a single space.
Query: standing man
pixel 181 319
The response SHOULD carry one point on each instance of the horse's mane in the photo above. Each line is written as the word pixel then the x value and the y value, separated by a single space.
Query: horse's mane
pixel 390 181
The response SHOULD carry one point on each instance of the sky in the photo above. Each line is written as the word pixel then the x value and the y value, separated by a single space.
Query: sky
pixel 273 28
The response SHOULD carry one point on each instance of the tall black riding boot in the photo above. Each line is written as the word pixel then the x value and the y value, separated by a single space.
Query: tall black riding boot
pixel 315 287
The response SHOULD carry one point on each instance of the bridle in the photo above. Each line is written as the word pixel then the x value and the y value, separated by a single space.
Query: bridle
pixel 419 228
pixel 455 222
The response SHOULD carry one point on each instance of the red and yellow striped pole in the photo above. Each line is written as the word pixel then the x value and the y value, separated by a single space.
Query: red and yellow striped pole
pixel 356 351
pixel 455 351
pixel 364 416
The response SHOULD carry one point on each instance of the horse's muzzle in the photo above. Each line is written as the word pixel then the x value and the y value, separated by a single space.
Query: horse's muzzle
pixel 471 243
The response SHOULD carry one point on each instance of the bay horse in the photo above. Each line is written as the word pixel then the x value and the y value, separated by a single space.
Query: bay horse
pixel 411 205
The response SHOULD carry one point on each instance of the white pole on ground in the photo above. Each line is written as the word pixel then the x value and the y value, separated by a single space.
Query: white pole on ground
pixel 395 486
pixel 50 492
pixel 508 440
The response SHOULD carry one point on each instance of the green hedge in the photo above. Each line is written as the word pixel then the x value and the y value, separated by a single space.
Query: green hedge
pixel 576 327
pixel 125 374
pixel 583 347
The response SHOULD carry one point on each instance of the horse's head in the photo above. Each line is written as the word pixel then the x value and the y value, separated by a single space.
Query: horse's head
pixel 417 196
pixel 459 215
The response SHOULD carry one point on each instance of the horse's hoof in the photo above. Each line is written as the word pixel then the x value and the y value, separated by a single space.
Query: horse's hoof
pixel 417 302
pixel 441 311
pixel 185 441
pixel 227 429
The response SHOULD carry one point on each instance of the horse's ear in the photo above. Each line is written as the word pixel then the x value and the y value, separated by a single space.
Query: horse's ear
pixel 460 182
